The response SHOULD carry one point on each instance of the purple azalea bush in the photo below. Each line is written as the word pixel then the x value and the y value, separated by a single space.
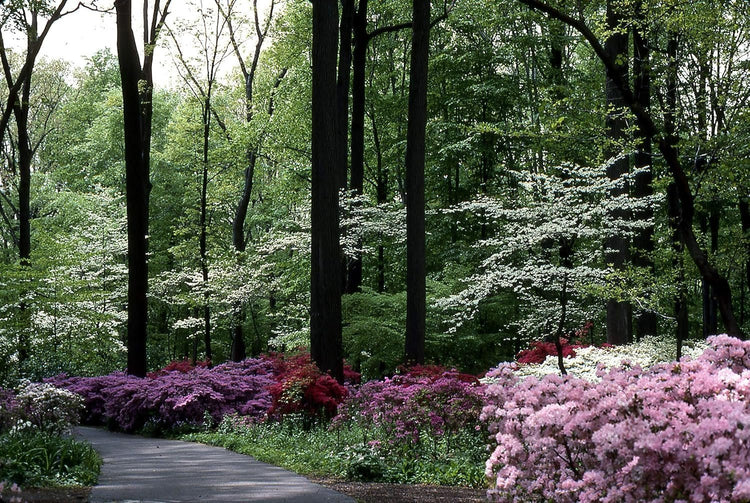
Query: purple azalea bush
pixel 677 432
pixel 173 397
pixel 410 406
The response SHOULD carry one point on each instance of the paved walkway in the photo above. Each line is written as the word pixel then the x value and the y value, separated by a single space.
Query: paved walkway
pixel 149 470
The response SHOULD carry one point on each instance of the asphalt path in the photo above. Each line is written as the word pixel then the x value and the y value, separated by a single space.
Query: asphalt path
pixel 152 470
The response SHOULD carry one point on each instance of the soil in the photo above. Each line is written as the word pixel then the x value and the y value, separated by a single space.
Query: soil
pixel 63 495
pixel 363 492
pixel 371 492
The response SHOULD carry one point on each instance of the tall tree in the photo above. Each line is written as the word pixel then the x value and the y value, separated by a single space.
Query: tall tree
pixel 416 310
pixel 667 147
pixel 325 274
pixel 619 314
pixel 209 36
pixel 137 95
pixel 239 236
pixel 643 241
pixel 25 16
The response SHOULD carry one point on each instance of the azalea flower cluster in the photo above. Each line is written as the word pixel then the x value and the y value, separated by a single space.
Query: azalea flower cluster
pixel 13 492
pixel 39 406
pixel 171 397
pixel 425 400
pixel 186 393
pixel 583 361
pixel 301 387
pixel 676 432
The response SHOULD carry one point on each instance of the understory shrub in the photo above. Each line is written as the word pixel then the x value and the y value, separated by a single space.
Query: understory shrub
pixel 172 397
pixel 424 401
pixel 677 432
pixel 41 459
pixel 39 406
pixel 582 361
pixel 301 387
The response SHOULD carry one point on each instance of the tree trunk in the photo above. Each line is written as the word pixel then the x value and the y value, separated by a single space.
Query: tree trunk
pixel 203 249
pixel 616 247
pixel 668 150
pixel 415 198
pixel 643 241
pixel 325 274
pixel 745 222
pixel 136 188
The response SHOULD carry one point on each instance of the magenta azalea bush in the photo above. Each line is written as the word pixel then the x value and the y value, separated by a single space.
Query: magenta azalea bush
pixel 175 396
pixel 415 404
pixel 678 432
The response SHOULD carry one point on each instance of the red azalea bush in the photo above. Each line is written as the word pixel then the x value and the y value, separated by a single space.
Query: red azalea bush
pixel 540 350
pixel 301 387
pixel 183 366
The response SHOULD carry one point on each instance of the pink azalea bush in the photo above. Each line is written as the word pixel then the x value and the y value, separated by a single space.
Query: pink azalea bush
pixel 423 401
pixel 171 397
pixel 677 432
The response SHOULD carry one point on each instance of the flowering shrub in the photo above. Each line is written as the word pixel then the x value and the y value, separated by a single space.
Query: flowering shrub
pixel 13 492
pixel 676 432
pixel 173 396
pixel 183 366
pixel 541 350
pixel 645 353
pixel 39 406
pixel 301 387
pixel 421 401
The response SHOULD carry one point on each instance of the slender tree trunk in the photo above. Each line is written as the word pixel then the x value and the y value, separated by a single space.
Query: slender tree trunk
pixel 745 222
pixel 203 249
pixel 619 316
pixel 415 200
pixel 643 241
pixel 136 182
pixel 325 284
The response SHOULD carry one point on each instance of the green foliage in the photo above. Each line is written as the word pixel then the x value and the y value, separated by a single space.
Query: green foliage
pixel 39 459
pixel 350 453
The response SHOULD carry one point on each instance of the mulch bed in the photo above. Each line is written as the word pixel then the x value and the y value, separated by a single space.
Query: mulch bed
pixel 371 492
pixel 363 492
pixel 64 495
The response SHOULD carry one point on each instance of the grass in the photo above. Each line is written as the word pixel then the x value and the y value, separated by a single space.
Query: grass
pixel 349 453
pixel 37 459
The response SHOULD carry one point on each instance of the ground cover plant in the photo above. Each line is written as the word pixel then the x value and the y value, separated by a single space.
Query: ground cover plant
pixel 420 426
pixel 34 452
pixel 675 432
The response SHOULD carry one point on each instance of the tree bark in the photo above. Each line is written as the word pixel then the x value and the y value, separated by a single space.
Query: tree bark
pixel 325 275
pixel 616 247
pixel 415 199
pixel 136 187
pixel 643 242
pixel 745 222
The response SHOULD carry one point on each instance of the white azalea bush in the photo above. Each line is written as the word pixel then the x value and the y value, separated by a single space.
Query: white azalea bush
pixel 646 353
pixel 43 407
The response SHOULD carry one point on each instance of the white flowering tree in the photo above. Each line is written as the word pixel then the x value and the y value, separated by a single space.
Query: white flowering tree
pixel 546 249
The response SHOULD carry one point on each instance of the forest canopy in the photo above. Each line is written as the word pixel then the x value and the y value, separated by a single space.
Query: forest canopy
pixel 585 174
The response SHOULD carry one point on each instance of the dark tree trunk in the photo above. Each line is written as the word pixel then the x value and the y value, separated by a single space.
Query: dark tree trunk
pixel 381 194
pixel 21 114
pixel 415 199
pixel 136 182
pixel 745 221
pixel 616 247
pixel 202 244
pixel 325 276
pixel 643 242
pixel 667 148
pixel 356 182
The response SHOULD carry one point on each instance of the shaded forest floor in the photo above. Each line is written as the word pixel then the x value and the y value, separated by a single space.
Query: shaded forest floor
pixel 372 492
pixel 363 492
